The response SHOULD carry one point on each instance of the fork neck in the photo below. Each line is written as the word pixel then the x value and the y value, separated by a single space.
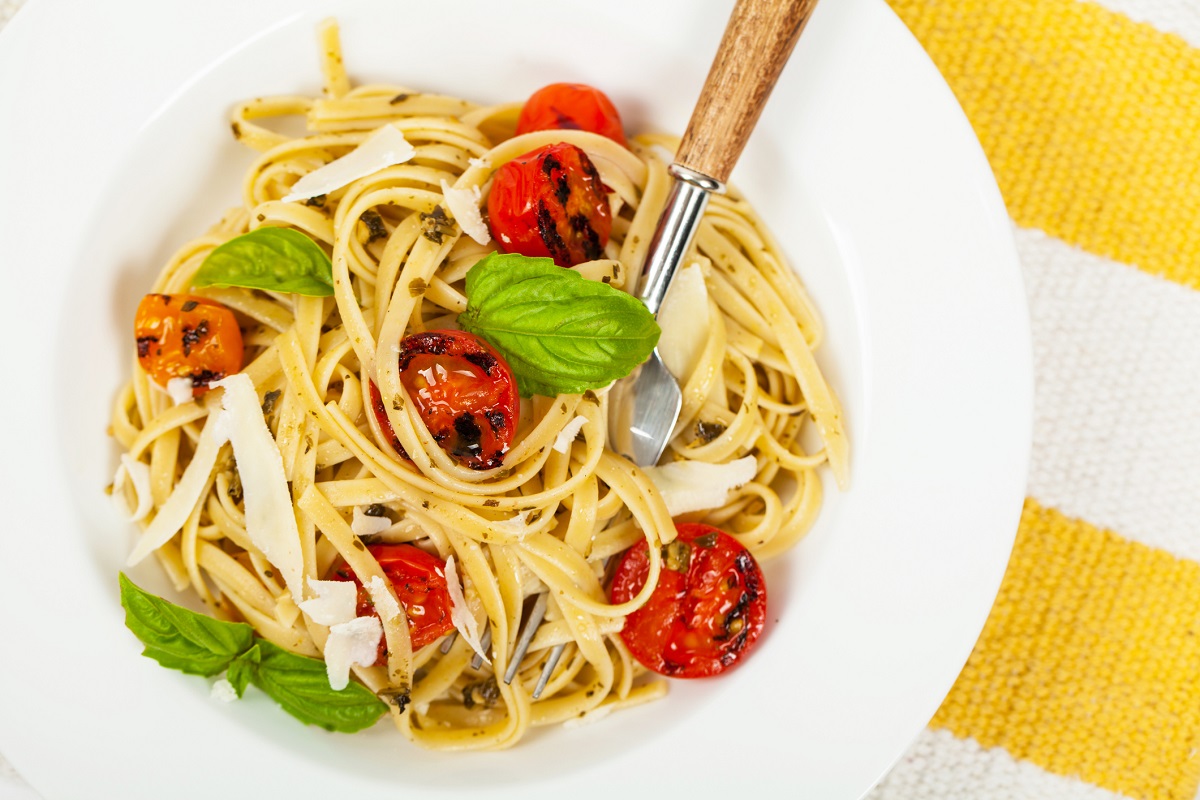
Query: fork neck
pixel 676 229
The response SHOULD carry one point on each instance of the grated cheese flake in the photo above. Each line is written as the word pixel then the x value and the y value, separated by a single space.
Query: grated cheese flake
pixel 223 690
pixel 460 612
pixel 683 319
pixel 363 524
pixel 350 643
pixel 464 207
pixel 385 604
pixel 695 485
pixel 180 390
pixel 333 602
pixel 384 148
pixel 562 442
pixel 187 493
pixel 270 515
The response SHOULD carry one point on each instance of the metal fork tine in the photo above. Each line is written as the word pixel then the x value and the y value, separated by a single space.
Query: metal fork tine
pixel 448 642
pixel 548 670
pixel 531 625
pixel 485 642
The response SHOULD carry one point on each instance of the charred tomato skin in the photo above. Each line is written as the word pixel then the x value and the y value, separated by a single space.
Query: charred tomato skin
pixel 419 581
pixel 571 106
pixel 700 620
pixel 550 203
pixel 185 336
pixel 464 391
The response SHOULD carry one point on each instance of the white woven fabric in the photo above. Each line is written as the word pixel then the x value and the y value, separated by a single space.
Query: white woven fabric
pixel 1180 17
pixel 941 766
pixel 1117 413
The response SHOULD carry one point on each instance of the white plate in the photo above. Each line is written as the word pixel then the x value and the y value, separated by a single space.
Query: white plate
pixel 114 149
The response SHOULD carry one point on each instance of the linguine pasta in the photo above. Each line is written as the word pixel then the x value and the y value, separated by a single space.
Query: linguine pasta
pixel 548 519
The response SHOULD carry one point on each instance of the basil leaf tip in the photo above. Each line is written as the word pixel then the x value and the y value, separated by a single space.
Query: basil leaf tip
pixel 559 332
pixel 274 259
pixel 197 644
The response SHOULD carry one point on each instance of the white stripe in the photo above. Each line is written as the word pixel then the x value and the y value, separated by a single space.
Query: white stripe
pixel 940 766
pixel 1179 17
pixel 1116 436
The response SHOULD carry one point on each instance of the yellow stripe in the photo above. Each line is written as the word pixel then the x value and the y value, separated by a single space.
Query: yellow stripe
pixel 1091 121
pixel 1089 664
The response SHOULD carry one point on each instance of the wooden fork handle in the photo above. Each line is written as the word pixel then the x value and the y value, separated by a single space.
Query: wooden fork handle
pixel 757 42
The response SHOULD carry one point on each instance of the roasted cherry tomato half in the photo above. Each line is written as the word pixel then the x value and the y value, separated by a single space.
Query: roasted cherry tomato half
pixel 707 610
pixel 180 336
pixel 419 580
pixel 571 106
pixel 464 391
pixel 550 203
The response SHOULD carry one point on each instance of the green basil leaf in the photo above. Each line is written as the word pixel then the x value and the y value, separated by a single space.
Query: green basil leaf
pixel 276 259
pixel 241 670
pixel 181 639
pixel 301 685
pixel 560 333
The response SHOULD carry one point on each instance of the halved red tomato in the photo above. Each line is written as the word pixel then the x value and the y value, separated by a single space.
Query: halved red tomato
pixel 571 106
pixel 707 610
pixel 181 336
pixel 550 203
pixel 419 580
pixel 464 391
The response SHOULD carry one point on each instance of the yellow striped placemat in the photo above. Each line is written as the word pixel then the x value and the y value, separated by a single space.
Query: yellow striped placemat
pixel 1085 682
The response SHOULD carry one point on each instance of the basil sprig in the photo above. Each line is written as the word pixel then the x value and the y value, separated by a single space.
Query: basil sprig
pixel 560 333
pixel 199 645
pixel 275 259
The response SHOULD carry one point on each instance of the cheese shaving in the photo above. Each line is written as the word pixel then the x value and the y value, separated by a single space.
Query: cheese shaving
pixel 180 390
pixel 684 321
pixel 270 515
pixel 363 524
pixel 223 690
pixel 516 524
pixel 385 604
pixel 333 602
pixel 695 485
pixel 562 442
pixel 188 491
pixel 350 643
pixel 460 612
pixel 138 473
pixel 384 148
pixel 464 207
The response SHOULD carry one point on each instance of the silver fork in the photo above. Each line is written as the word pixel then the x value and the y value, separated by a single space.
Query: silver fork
pixel 529 628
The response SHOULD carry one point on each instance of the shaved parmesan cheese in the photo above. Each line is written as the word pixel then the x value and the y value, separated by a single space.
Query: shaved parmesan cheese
pixel 482 163
pixel 334 602
pixel 684 322
pixel 460 613
pixel 363 524
pixel 385 605
pixel 223 690
pixel 187 493
pixel 270 516
pixel 464 207
pixel 383 148
pixel 518 523
pixel 138 473
pixel 350 643
pixel 567 435
pixel 695 485
pixel 180 390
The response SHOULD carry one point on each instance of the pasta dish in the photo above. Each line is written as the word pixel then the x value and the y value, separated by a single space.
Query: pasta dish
pixel 368 416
